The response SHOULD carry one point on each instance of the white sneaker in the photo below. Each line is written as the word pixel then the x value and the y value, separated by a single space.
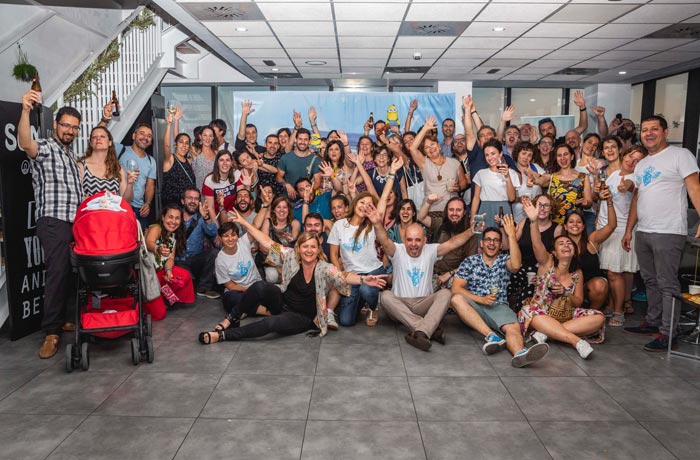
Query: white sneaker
pixel 331 322
pixel 584 349
pixel 539 337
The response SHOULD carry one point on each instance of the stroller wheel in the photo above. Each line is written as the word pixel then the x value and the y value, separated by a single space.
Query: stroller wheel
pixel 69 358
pixel 149 326
pixel 135 352
pixel 149 350
pixel 84 356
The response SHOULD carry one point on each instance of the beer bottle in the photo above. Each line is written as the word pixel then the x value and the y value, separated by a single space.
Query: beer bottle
pixel 36 86
pixel 500 216
pixel 115 104
pixel 371 120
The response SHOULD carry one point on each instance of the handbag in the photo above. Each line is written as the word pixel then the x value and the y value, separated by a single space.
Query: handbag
pixel 150 286
pixel 561 309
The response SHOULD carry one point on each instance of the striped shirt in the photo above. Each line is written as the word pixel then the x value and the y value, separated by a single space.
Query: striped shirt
pixel 93 184
pixel 56 181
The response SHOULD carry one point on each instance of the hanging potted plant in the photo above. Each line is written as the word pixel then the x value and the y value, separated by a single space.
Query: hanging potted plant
pixel 23 70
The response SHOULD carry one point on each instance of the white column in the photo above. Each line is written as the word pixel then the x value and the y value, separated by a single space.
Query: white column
pixel 460 88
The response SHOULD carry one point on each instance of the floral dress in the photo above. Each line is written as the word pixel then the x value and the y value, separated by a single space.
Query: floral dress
pixel 565 193
pixel 543 298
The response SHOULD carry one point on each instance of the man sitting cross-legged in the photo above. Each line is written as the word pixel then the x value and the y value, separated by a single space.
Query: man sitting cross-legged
pixel 411 299
pixel 479 290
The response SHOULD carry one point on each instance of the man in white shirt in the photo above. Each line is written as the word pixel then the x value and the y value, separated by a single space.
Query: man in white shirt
pixel 411 300
pixel 659 208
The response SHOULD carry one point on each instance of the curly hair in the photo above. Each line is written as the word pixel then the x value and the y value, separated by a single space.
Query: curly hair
pixel 111 162
pixel 180 237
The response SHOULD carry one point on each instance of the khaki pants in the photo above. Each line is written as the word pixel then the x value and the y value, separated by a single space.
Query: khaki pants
pixel 417 313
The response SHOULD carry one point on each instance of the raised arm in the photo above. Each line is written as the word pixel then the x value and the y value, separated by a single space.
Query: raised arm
pixel 600 235
pixel 246 109
pixel 455 242
pixel 600 118
pixel 396 164
pixel 409 116
pixel 312 119
pixel 515 262
pixel 422 215
pixel 543 257
pixel 468 106
pixel 253 232
pixel 365 177
pixel 376 217
pixel 293 137
pixel 583 119
pixel 506 116
pixel 24 129
pixel 106 114
pixel 416 154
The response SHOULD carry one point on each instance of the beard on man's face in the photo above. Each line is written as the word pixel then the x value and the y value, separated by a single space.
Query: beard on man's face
pixel 453 228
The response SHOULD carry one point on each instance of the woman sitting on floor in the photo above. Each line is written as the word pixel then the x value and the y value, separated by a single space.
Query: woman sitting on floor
pixel 299 303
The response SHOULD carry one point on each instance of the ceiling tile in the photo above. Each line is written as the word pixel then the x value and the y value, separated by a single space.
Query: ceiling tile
pixel 250 42
pixel 624 55
pixel 603 44
pixel 539 70
pixel 423 42
pixel 658 44
pixel 519 76
pixel 596 14
pixel 402 76
pixel 625 30
pixel 365 62
pixel 496 12
pixel 405 53
pixel 568 30
pixel 438 11
pixel 456 74
pixel 261 53
pixel 485 76
pixel 469 53
pixel 228 28
pixel 533 1
pixel 303 28
pixel 446 63
pixel 482 42
pixel 661 13
pixel 370 72
pixel 264 68
pixel 487 68
pixel 694 19
pixel 485 29
pixel 614 75
pixel 507 62
pixel 692 46
pixel 362 53
pixel 279 62
pixel 410 62
pixel 633 2
pixel 538 43
pixel 572 54
pixel 320 75
pixel 646 65
pixel 675 56
pixel 297 12
pixel 375 11
pixel 313 53
pixel 364 28
pixel 521 54
pixel 301 62
pixel 547 63
pixel 361 42
pixel 307 42
pixel 597 64
pixel 561 78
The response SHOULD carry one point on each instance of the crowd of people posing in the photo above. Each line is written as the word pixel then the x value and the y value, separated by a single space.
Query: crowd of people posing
pixel 526 236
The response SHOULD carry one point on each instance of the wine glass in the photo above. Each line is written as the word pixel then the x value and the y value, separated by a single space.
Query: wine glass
pixel 171 107
pixel 132 165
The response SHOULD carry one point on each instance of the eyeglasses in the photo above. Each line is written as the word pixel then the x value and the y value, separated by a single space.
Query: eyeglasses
pixel 382 155
pixel 69 126
pixel 191 198
pixel 492 240
pixel 545 143
pixel 460 139
pixel 544 205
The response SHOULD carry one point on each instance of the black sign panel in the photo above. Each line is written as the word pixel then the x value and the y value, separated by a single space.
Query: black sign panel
pixel 24 257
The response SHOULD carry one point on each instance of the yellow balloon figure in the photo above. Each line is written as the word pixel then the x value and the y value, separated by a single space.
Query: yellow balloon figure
pixel 392 116
pixel 315 142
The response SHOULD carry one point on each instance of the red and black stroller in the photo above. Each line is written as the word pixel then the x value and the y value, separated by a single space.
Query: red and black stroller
pixel 105 257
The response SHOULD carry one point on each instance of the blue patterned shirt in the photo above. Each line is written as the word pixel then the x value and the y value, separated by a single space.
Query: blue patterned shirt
pixel 481 278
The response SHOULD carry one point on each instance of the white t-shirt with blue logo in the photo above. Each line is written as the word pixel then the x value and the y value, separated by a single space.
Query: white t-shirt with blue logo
pixel 662 197
pixel 413 276
pixel 239 267
pixel 358 256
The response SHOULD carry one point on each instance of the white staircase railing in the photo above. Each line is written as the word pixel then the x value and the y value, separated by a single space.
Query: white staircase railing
pixel 139 51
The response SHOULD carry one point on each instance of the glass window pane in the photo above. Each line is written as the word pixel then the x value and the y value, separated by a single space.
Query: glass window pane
pixel 303 88
pixel 195 102
pixel 636 103
pixel 414 89
pixel 573 108
pixel 669 102
pixel 490 103
pixel 531 102
pixel 224 106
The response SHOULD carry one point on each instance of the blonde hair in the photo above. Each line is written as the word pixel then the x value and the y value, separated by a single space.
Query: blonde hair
pixel 303 238
pixel 365 225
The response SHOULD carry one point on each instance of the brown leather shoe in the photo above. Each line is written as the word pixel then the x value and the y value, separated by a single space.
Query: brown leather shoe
pixel 419 340
pixel 68 327
pixel 439 336
pixel 50 347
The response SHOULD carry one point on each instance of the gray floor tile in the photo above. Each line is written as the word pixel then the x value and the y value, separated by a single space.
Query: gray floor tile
pixel 260 397
pixel 161 395
pixel 362 440
pixel 360 359
pixel 655 398
pixel 679 366
pixel 23 354
pixel 383 333
pixel 189 329
pixel 163 329
pixel 111 355
pixel 446 361
pixel 11 380
pixel 681 438
pixel 563 399
pixel 361 398
pixel 29 437
pixel 462 399
pixel 214 439
pixel 273 358
pixel 482 441
pixel 555 364
pixel 113 438
pixel 56 392
pixel 190 357
pixel 599 440
pixel 618 361
pixel 457 332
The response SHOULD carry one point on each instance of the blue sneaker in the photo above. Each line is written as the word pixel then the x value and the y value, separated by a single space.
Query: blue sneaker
pixel 530 355
pixel 660 344
pixel 644 328
pixel 494 343
pixel 640 296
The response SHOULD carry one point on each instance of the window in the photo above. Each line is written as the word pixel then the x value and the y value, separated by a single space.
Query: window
pixel 196 105
pixel 490 103
pixel 535 102
pixel 669 102
pixel 224 106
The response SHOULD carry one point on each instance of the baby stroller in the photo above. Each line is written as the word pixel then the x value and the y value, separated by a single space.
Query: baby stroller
pixel 105 257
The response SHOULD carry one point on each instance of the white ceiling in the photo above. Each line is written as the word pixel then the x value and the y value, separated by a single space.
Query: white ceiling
pixel 361 38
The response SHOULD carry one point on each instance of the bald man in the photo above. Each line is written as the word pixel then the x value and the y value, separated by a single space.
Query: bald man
pixel 411 300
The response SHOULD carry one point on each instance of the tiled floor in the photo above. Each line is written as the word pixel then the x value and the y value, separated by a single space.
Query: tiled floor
pixel 358 393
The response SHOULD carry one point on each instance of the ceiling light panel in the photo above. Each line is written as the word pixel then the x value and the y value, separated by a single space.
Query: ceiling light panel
pixel 627 55
pixel 598 64
pixel 307 42
pixel 528 70
pixel 375 11
pixel 269 53
pixel 313 53
pixel 515 63
pixel 573 54
pixel 593 13
pixel 658 44
pixel 297 12
pixel 538 43
pixel 526 12
pixel 675 56
pixel 602 44
pixel 457 53
pixel 444 63
pixel 423 42
pixel 228 28
pixel 482 42
pixel 437 11
pixel 250 42
pixel 361 42
pixel 304 28
pixel 485 29
pixel 661 13
pixel 625 30
pixel 369 53
pixel 364 29
pixel 568 30
pixel 365 62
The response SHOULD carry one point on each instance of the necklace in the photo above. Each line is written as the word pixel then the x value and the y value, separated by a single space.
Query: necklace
pixel 439 167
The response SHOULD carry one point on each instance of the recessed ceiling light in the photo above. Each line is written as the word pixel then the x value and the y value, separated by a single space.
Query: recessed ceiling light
pixel 622 72
pixel 316 63
pixel 532 100
pixel 498 29
pixel 241 29
pixel 275 69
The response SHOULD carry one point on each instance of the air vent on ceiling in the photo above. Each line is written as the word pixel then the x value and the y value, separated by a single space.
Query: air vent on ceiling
pixel 269 62
pixel 432 29
pixel 224 11
pixel 280 74
pixel 414 69
pixel 577 71
pixel 689 30
pixel 494 71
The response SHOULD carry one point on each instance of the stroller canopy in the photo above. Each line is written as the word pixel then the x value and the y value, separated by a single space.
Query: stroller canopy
pixel 104 224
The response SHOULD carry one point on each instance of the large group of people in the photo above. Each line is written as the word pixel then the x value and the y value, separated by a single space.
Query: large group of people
pixel 525 235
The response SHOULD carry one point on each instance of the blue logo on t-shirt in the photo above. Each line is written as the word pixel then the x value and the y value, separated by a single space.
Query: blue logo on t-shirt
pixel 648 176
pixel 243 269
pixel 353 246
pixel 416 275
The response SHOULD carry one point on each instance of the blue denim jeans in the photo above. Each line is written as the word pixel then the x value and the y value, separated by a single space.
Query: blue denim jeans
pixel 349 306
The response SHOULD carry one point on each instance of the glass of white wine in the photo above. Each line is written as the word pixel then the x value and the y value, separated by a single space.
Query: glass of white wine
pixel 171 107
pixel 132 165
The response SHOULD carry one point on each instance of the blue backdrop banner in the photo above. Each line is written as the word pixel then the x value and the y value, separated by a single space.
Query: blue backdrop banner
pixel 342 111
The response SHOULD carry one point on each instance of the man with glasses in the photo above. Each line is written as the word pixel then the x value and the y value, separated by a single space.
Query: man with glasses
pixel 136 156
pixel 58 193
pixel 199 258
pixel 479 298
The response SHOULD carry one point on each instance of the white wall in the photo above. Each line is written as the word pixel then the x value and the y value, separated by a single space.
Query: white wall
pixel 460 88
pixel 616 98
